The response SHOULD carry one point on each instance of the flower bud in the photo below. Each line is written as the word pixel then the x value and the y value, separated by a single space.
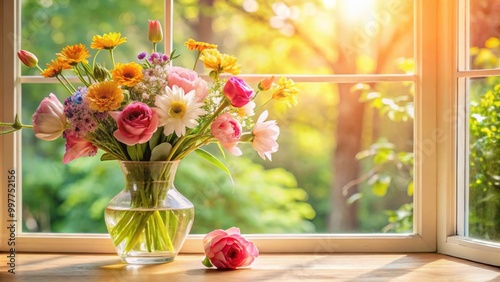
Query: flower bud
pixel 49 120
pixel 100 73
pixel 155 34
pixel 28 58
pixel 266 83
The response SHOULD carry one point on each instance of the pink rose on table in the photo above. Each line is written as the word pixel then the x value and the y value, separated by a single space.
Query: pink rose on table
pixel 188 80
pixel 238 92
pixel 136 123
pixel 77 147
pixel 265 134
pixel 228 249
pixel 49 120
pixel 228 131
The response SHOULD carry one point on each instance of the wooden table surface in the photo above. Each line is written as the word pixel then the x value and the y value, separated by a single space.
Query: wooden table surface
pixel 267 267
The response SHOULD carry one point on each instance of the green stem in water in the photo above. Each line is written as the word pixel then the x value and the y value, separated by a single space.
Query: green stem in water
pixel 143 219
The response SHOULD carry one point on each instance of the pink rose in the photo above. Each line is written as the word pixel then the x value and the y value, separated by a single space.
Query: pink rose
pixel 228 249
pixel 238 92
pixel 136 123
pixel 49 120
pixel 265 135
pixel 188 80
pixel 228 131
pixel 77 147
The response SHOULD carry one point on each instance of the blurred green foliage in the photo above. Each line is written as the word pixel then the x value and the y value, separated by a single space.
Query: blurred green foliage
pixel 484 160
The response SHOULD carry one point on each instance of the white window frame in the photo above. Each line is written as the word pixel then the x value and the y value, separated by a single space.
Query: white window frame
pixel 435 216
pixel 452 121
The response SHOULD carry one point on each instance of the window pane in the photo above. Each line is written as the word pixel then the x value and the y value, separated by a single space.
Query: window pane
pixel 348 172
pixel 484 34
pixel 48 26
pixel 71 198
pixel 302 37
pixel 484 163
pixel 345 163
pixel 330 175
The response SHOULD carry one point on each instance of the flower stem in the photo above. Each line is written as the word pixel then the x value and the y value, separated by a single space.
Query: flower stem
pixel 112 57
pixel 65 86
pixel 196 61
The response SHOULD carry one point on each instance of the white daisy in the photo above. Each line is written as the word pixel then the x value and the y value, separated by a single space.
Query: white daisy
pixel 177 111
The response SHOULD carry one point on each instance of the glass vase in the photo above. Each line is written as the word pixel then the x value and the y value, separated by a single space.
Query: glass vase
pixel 149 219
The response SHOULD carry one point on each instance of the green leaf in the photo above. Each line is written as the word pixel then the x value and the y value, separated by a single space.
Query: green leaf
pixel 381 184
pixel 108 157
pixel 409 189
pixel 215 161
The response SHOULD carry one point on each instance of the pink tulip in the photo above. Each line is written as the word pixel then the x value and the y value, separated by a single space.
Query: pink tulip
pixel 49 120
pixel 228 249
pixel 29 59
pixel 265 135
pixel 228 131
pixel 238 92
pixel 77 147
pixel 155 34
pixel 136 123
pixel 188 80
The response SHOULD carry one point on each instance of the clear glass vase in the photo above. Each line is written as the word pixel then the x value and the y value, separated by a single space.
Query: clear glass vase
pixel 149 219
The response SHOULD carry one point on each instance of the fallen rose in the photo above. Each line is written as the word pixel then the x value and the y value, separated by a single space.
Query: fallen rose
pixel 228 249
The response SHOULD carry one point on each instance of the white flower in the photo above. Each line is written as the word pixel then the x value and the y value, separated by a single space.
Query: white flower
pixel 265 135
pixel 177 111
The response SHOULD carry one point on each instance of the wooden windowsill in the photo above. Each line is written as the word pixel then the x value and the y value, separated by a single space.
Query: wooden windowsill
pixel 268 267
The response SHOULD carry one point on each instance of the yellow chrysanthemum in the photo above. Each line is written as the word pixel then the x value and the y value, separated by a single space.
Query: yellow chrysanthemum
pixel 286 92
pixel 107 41
pixel 104 96
pixel 74 54
pixel 220 63
pixel 192 45
pixel 127 74
pixel 55 68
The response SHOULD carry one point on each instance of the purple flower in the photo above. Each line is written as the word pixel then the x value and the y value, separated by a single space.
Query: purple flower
pixel 142 55
pixel 154 58
pixel 82 119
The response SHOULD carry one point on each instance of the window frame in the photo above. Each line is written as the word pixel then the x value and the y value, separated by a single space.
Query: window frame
pixel 434 209
pixel 452 121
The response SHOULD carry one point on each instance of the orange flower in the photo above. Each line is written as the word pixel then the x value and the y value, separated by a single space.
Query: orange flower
pixel 286 91
pixel 74 54
pixel 127 74
pixel 198 45
pixel 266 83
pixel 55 68
pixel 107 41
pixel 220 63
pixel 104 96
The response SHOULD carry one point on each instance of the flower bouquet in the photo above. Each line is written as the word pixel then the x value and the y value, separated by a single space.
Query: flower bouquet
pixel 148 111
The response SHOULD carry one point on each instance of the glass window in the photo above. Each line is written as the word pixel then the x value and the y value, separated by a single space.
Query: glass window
pixel 345 163
pixel 343 132
pixel 482 201
pixel 484 165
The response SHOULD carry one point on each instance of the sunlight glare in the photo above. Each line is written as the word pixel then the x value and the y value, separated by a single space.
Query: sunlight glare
pixel 250 6
pixel 355 10
pixel 330 4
